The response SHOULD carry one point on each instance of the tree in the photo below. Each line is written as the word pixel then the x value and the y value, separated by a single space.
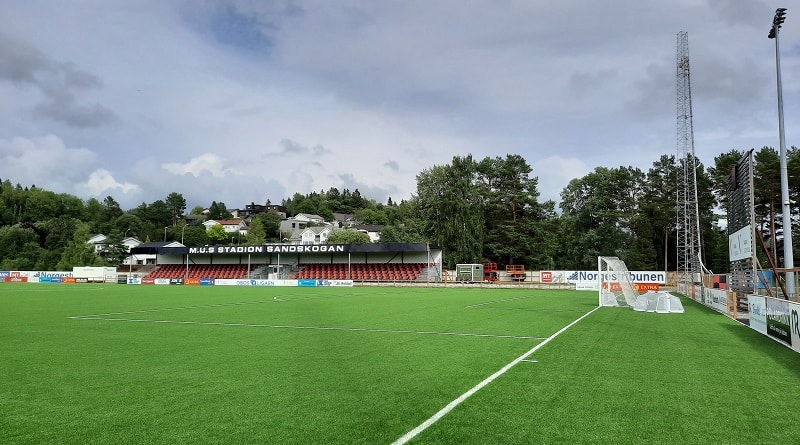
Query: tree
pixel 176 205
pixel 272 227
pixel 347 236
pixel 371 216
pixel 109 212
pixel 512 213
pixel 218 211
pixel 255 232
pixel 599 210
pixel 657 213
pixel 451 209
pixel 195 235
pixel 217 235
pixel 113 251
pixel 78 252
pixel 20 247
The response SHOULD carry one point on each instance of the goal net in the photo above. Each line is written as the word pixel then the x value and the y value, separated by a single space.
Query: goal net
pixel 614 283
pixel 617 289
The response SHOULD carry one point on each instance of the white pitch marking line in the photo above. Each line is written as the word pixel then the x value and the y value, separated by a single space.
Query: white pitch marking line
pixel 495 301
pixel 449 407
pixel 317 328
pixel 203 306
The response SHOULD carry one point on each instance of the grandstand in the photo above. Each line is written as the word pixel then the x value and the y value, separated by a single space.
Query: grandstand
pixel 171 271
pixel 358 262
pixel 355 272
pixel 362 272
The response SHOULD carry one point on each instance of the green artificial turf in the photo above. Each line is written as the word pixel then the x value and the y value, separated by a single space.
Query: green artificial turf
pixel 115 364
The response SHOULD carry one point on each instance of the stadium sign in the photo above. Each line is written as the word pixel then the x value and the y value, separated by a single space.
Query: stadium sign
pixel 279 248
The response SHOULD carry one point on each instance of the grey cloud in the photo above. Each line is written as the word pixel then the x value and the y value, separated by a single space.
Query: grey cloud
pixel 584 82
pixel 19 62
pixel 379 194
pixel 737 12
pixel 74 77
pixel 392 165
pixel 65 110
pixel 291 147
pixel 22 63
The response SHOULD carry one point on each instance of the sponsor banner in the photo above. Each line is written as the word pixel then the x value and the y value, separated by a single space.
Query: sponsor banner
pixel 176 281
pixel 206 282
pixel 252 282
pixel 587 279
pixel 794 313
pixel 10 279
pixel 644 287
pixel 586 285
pixel 554 276
pixel 36 274
pixel 5 273
pixel 191 282
pixel 81 280
pixel 307 283
pixel 716 299
pixel 779 319
pixel 41 274
pixel 132 280
pixel 636 276
pixel 757 307
pixel 148 281
pixel 341 283
pixel 69 280
pixel 161 281
pixel 640 287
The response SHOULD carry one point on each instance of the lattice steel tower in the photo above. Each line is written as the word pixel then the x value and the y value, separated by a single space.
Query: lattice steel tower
pixel 688 224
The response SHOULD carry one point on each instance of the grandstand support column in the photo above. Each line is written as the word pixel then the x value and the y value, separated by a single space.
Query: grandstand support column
pixel 788 255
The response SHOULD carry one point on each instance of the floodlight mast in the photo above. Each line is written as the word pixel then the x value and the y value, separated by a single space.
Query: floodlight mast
pixel 689 264
pixel 788 255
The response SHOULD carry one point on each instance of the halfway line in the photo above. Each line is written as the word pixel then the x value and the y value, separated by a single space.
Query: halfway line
pixel 313 328
pixel 442 412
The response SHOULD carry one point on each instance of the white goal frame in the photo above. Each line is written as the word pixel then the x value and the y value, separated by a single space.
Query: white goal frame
pixel 614 284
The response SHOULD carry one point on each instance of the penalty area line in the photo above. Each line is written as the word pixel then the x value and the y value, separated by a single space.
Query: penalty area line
pixel 449 407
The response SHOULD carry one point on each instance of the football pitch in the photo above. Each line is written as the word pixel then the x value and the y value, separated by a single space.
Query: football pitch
pixel 115 364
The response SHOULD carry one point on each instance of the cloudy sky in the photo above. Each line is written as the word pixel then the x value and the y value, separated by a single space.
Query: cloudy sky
pixel 249 101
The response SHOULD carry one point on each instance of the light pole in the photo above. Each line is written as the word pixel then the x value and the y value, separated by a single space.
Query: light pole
pixel 165 233
pixel 130 260
pixel 788 256
pixel 182 230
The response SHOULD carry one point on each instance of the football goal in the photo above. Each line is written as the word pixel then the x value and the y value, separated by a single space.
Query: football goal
pixel 614 283
pixel 617 289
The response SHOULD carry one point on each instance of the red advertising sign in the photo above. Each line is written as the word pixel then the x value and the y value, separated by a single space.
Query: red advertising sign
pixel 644 287
pixel 547 277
